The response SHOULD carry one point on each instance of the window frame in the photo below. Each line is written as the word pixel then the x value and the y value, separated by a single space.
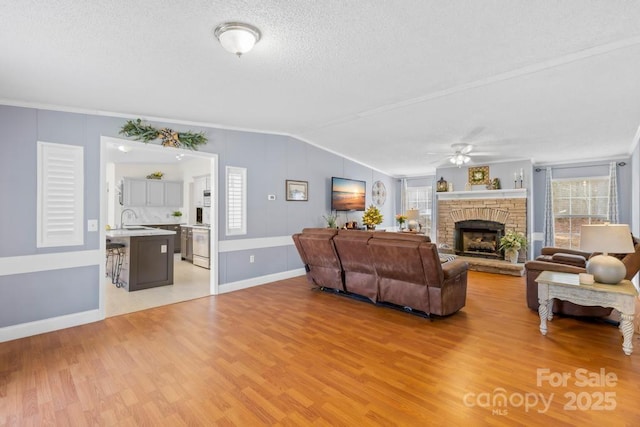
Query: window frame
pixel 571 216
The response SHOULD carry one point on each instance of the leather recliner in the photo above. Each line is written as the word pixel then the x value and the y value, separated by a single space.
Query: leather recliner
pixel 318 253
pixel 359 274
pixel 572 261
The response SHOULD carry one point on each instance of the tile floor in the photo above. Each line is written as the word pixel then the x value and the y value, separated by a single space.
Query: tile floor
pixel 189 282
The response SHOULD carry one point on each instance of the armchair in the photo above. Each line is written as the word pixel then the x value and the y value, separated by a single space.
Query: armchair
pixel 572 261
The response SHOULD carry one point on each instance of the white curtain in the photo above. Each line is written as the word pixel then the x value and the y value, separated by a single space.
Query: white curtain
pixel 403 196
pixel 549 234
pixel 613 194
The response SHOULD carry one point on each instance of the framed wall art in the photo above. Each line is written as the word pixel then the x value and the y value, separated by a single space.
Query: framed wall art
pixel 297 191
pixel 479 175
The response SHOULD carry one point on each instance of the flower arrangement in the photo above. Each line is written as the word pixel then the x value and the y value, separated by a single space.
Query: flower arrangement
pixel 513 241
pixel 401 219
pixel 372 217
pixel 331 220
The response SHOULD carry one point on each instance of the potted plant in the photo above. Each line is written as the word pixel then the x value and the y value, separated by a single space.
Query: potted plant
pixel 155 175
pixel 331 220
pixel 177 215
pixel 511 243
pixel 372 217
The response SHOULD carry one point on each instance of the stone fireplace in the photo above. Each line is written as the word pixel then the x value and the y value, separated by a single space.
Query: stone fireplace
pixel 472 222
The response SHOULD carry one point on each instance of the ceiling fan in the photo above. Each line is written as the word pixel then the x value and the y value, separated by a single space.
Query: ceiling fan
pixel 462 154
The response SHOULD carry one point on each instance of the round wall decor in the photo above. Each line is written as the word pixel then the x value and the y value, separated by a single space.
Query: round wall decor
pixel 379 193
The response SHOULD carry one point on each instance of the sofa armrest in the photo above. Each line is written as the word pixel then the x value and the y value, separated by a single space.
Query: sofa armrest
pixel 552 251
pixel 454 268
pixel 569 259
pixel 552 266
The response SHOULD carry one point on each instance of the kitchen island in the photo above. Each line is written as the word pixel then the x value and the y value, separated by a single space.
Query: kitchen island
pixel 148 256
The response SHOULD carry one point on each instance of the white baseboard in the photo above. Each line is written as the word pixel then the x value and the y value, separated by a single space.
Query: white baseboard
pixel 47 325
pixel 256 281
pixel 62 322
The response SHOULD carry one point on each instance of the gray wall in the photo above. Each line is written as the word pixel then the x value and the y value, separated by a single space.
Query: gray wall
pixel 269 159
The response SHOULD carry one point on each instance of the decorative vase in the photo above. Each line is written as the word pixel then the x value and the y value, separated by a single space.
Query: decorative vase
pixel 371 226
pixel 511 255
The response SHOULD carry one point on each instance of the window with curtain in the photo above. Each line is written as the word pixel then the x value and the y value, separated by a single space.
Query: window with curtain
pixel 421 198
pixel 578 201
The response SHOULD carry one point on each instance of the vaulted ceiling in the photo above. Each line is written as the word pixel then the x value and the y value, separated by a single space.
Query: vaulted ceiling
pixel 389 83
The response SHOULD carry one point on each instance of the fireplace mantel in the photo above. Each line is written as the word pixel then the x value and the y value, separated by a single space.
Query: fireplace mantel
pixel 514 193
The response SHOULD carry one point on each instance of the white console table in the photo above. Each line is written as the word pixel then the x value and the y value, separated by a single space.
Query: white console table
pixel 566 287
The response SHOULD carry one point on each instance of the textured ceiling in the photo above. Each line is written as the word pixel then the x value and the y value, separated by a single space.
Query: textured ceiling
pixel 391 84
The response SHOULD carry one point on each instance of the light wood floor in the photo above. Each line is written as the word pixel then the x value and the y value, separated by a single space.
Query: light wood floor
pixel 283 354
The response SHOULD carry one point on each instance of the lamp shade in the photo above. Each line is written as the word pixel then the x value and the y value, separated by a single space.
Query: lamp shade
pixel 413 214
pixel 606 238
pixel 236 37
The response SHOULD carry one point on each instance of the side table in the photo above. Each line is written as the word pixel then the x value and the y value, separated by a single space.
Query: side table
pixel 567 287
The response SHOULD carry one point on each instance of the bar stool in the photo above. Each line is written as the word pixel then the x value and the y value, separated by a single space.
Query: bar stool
pixel 115 253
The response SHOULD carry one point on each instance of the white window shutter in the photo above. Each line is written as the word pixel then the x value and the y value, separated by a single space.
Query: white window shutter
pixel 60 194
pixel 236 200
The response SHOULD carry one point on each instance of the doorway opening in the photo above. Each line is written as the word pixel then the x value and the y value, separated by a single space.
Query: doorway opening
pixel 190 281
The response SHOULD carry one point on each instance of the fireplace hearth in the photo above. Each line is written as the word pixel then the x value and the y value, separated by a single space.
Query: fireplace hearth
pixel 478 238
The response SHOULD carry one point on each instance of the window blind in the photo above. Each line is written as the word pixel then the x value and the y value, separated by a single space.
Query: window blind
pixel 236 200
pixel 60 194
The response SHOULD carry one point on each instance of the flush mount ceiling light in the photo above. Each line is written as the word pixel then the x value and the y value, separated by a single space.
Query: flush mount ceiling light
pixel 236 37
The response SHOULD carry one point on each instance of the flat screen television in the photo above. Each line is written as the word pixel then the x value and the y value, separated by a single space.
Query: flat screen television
pixel 347 194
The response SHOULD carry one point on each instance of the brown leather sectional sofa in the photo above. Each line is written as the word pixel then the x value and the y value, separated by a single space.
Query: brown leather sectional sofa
pixel 397 268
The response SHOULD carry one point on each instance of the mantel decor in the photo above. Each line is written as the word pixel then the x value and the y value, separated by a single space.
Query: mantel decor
pixel 140 131
pixel 479 175
pixel 442 185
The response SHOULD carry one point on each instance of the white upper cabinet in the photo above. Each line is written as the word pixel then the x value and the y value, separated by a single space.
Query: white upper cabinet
pixel 151 192
pixel 173 193
pixel 200 184
pixel 155 193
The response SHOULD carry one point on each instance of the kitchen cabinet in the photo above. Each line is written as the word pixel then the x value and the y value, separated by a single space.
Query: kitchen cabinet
pixel 173 193
pixel 148 257
pixel 155 193
pixel 151 192
pixel 134 192
pixel 200 184
pixel 177 244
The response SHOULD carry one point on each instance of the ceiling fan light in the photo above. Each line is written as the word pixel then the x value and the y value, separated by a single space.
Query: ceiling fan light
pixel 236 37
pixel 459 159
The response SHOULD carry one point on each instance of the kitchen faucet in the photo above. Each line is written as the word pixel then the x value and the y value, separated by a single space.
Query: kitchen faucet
pixel 122 214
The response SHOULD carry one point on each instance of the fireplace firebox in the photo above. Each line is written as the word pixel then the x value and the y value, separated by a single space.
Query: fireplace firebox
pixel 478 238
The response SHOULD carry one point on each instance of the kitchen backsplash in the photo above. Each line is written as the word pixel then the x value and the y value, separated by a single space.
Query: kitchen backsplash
pixel 145 215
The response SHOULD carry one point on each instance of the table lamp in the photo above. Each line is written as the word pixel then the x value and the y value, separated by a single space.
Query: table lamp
pixel 412 219
pixel 606 238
